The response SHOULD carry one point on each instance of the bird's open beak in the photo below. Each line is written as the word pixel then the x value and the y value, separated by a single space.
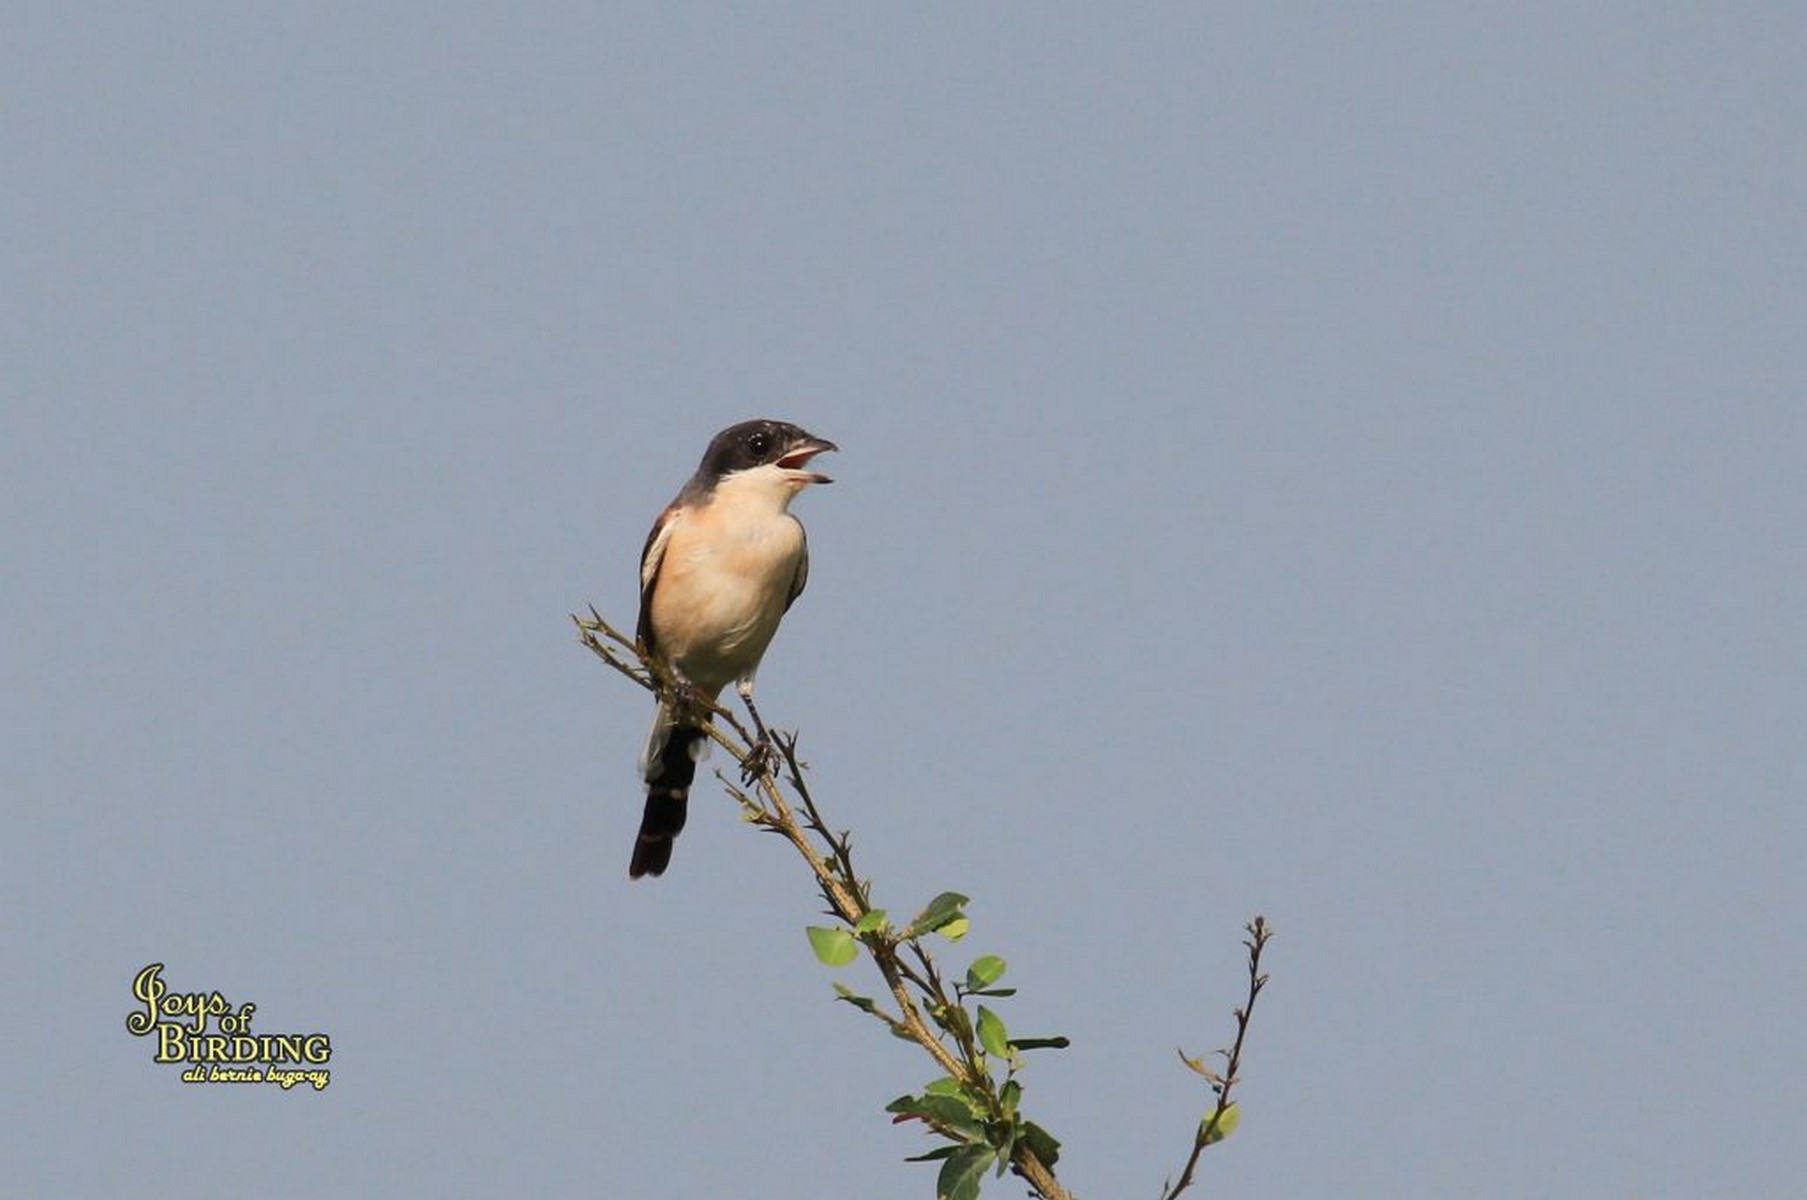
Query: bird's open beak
pixel 798 456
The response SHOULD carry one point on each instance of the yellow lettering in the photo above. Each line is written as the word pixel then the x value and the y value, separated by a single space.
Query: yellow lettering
pixel 172 1043
pixel 220 1074
pixel 147 989
pixel 196 1005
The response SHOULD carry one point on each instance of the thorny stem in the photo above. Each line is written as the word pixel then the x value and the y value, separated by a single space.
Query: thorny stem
pixel 840 885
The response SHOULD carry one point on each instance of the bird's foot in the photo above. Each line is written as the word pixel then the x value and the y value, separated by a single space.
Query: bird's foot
pixel 760 757
pixel 763 751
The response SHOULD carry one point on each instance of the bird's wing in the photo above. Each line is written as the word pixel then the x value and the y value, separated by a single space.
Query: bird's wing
pixel 801 578
pixel 650 559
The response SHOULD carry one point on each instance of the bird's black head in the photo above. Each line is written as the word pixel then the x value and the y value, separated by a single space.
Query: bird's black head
pixel 761 443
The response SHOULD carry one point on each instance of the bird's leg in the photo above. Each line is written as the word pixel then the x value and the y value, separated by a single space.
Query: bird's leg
pixel 759 755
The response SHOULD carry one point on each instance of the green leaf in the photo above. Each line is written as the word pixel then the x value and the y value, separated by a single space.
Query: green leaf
pixel 991 1033
pixel 956 1108
pixel 1045 1145
pixel 984 972
pixel 935 1155
pixel 1226 1124
pixel 942 910
pixel 952 1018
pixel 962 1172
pixel 874 919
pixel 835 947
pixel 1009 1096
pixel 1047 1043
pixel 863 1003
pixel 955 929
pixel 974 1103
pixel 954 1113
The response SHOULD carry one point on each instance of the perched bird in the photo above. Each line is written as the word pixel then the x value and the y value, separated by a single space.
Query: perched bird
pixel 721 567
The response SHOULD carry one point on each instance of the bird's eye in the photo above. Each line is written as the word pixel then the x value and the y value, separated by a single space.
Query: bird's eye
pixel 759 443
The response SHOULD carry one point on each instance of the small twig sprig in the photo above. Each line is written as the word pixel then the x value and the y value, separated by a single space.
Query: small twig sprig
pixel 1222 1118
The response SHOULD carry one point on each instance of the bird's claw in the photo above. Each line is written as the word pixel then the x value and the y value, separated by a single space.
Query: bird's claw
pixel 758 760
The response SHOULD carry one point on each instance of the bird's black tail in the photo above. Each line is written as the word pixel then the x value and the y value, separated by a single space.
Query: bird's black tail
pixel 669 766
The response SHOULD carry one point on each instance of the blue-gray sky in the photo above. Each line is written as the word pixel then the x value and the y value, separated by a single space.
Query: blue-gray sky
pixel 1340 462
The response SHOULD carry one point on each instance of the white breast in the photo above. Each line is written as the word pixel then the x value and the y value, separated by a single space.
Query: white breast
pixel 724 581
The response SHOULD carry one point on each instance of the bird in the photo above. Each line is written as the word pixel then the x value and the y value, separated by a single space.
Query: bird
pixel 723 564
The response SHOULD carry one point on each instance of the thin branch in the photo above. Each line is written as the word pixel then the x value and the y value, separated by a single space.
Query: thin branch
pixel 848 898
pixel 1260 932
